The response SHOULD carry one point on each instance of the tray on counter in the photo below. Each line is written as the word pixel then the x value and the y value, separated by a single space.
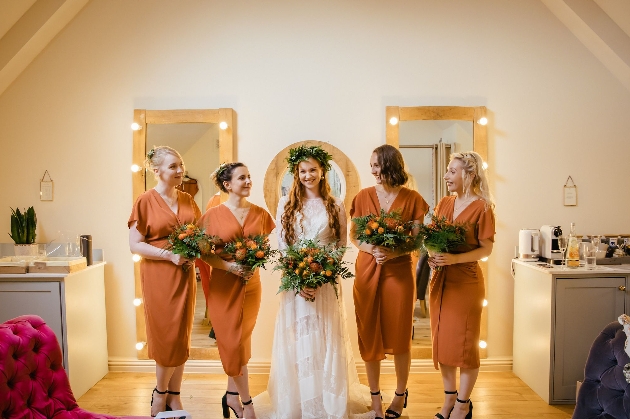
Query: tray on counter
pixel 57 265
pixel 15 264
pixel 614 260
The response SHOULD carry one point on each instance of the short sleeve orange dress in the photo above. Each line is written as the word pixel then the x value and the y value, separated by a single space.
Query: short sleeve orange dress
pixel 168 292
pixel 384 295
pixel 232 306
pixel 205 270
pixel 456 292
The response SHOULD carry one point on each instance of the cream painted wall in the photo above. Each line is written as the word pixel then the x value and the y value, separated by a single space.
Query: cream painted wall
pixel 315 70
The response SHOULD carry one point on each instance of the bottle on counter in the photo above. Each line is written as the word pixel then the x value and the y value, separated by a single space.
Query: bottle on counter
pixel 573 249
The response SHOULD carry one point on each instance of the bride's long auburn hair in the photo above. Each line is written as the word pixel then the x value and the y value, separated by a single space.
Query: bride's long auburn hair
pixel 295 204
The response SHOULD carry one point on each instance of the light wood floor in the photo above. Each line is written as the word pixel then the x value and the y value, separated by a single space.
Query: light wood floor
pixel 498 395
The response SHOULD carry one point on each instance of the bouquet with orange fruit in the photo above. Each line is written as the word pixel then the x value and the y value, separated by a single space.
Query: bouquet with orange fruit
pixel 387 229
pixel 308 264
pixel 191 242
pixel 251 252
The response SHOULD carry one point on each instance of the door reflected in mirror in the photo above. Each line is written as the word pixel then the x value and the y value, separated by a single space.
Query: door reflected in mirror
pixel 426 147
pixel 198 145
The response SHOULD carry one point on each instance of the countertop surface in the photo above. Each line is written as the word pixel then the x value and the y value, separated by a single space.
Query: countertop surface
pixel 47 277
pixel 581 271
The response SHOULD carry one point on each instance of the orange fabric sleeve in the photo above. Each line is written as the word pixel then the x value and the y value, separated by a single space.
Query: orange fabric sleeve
pixel 420 207
pixel 139 215
pixel 486 225
pixel 268 223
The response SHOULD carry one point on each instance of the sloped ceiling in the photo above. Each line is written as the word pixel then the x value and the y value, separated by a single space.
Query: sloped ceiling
pixel 28 26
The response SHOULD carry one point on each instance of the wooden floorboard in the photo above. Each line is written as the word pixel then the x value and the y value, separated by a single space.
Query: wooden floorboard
pixel 498 395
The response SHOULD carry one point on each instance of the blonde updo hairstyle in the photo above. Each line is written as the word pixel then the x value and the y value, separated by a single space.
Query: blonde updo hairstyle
pixel 474 176
pixel 155 157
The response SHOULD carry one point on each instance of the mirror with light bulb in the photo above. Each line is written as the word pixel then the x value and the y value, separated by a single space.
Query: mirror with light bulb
pixel 204 138
pixel 426 137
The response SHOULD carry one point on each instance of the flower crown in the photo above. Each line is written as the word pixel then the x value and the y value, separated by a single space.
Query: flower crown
pixel 302 153
pixel 219 170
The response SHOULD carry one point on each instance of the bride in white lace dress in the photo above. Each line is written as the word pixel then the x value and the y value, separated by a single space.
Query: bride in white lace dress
pixel 313 374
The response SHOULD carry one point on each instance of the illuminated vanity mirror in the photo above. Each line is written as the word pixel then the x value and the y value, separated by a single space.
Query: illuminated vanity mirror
pixel 426 136
pixel 204 138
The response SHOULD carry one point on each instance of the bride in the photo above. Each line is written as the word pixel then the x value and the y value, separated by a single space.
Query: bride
pixel 313 374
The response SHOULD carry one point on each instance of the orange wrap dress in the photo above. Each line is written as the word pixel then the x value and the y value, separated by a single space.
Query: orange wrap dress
pixel 205 270
pixel 456 292
pixel 232 306
pixel 168 293
pixel 384 295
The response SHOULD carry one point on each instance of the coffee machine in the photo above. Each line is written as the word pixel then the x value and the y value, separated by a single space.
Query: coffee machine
pixel 529 244
pixel 549 250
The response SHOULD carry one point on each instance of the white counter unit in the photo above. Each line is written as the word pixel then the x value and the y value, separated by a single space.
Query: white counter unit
pixel 73 306
pixel 558 313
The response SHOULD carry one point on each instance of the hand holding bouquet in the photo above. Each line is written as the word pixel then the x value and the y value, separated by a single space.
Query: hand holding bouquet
pixel 388 230
pixel 250 253
pixel 308 264
pixel 442 236
pixel 189 241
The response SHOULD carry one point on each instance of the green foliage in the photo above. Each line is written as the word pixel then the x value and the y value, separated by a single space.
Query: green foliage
pixel 188 240
pixel 442 236
pixel 23 226
pixel 252 251
pixel 301 153
pixel 308 264
pixel 388 230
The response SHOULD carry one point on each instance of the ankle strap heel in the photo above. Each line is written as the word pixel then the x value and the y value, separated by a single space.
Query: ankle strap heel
pixel 249 402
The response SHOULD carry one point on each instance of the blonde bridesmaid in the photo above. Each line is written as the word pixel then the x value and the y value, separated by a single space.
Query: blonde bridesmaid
pixel 384 287
pixel 168 291
pixel 232 306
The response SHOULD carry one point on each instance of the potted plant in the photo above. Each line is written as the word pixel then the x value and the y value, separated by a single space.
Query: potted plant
pixel 23 225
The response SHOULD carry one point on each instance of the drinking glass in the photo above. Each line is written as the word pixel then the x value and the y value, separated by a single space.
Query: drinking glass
pixel 596 240
pixel 562 245
pixel 590 256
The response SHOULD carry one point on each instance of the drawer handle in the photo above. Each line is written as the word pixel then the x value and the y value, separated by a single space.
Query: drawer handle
pixel 622 288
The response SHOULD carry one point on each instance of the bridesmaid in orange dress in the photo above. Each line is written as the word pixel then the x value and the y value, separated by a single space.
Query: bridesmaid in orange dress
pixel 384 287
pixel 232 306
pixel 168 292
pixel 457 290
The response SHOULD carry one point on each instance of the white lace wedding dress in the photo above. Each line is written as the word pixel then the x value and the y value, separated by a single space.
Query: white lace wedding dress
pixel 313 375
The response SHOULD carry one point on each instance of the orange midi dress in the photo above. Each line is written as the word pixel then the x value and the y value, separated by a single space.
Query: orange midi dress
pixel 232 306
pixel 456 292
pixel 384 295
pixel 168 292
pixel 205 270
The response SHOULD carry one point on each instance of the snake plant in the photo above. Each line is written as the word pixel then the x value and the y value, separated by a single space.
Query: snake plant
pixel 23 226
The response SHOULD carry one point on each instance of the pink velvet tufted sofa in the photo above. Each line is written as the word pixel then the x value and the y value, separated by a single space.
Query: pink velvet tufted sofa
pixel 33 383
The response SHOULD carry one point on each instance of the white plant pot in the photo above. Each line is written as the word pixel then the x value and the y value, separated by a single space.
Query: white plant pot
pixel 25 249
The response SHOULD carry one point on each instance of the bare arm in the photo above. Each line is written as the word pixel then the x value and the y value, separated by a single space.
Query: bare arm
pixel 444 259
pixel 232 267
pixel 139 246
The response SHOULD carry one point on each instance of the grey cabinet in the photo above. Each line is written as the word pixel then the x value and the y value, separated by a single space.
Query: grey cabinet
pixel 557 316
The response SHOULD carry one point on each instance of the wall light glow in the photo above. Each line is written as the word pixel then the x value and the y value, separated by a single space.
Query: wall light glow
pixel 140 345
pixel 223 125
pixel 135 126
pixel 484 259
pixel 483 344
pixel 484 165
pixel 393 120
pixel 483 120
pixel 485 302
pixel 136 258
pixel 137 301
pixel 135 168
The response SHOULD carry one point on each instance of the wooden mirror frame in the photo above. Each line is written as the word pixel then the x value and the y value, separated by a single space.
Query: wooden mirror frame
pixel 480 145
pixel 142 117
pixel 278 167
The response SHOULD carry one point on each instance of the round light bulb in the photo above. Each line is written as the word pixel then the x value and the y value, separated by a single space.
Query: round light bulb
pixel 485 302
pixel 484 165
pixel 139 345
pixel 393 120
pixel 483 344
pixel 223 125
pixel 137 302
pixel 135 168
pixel 483 120
pixel 484 259
pixel 136 258
pixel 135 126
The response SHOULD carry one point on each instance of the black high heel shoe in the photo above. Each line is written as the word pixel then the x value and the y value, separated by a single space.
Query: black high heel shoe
pixel 439 415
pixel 155 390
pixel 469 414
pixel 377 393
pixel 226 407
pixel 389 413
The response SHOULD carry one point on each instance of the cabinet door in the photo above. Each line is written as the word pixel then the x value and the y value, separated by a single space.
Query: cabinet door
pixel 39 298
pixel 584 306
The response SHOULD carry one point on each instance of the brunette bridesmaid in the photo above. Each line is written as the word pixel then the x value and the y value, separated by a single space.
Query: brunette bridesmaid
pixel 457 289
pixel 384 287
pixel 232 306
pixel 168 291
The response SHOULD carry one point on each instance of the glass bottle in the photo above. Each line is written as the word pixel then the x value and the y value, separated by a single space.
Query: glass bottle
pixel 573 249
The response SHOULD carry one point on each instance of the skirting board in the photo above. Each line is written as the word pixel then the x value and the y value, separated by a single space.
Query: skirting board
pixel 214 367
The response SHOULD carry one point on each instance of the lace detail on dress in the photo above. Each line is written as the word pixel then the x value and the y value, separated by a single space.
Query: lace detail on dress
pixel 313 375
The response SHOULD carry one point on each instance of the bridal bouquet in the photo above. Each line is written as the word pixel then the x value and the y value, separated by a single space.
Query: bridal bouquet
pixel 386 229
pixel 251 252
pixel 308 264
pixel 189 241
pixel 442 236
